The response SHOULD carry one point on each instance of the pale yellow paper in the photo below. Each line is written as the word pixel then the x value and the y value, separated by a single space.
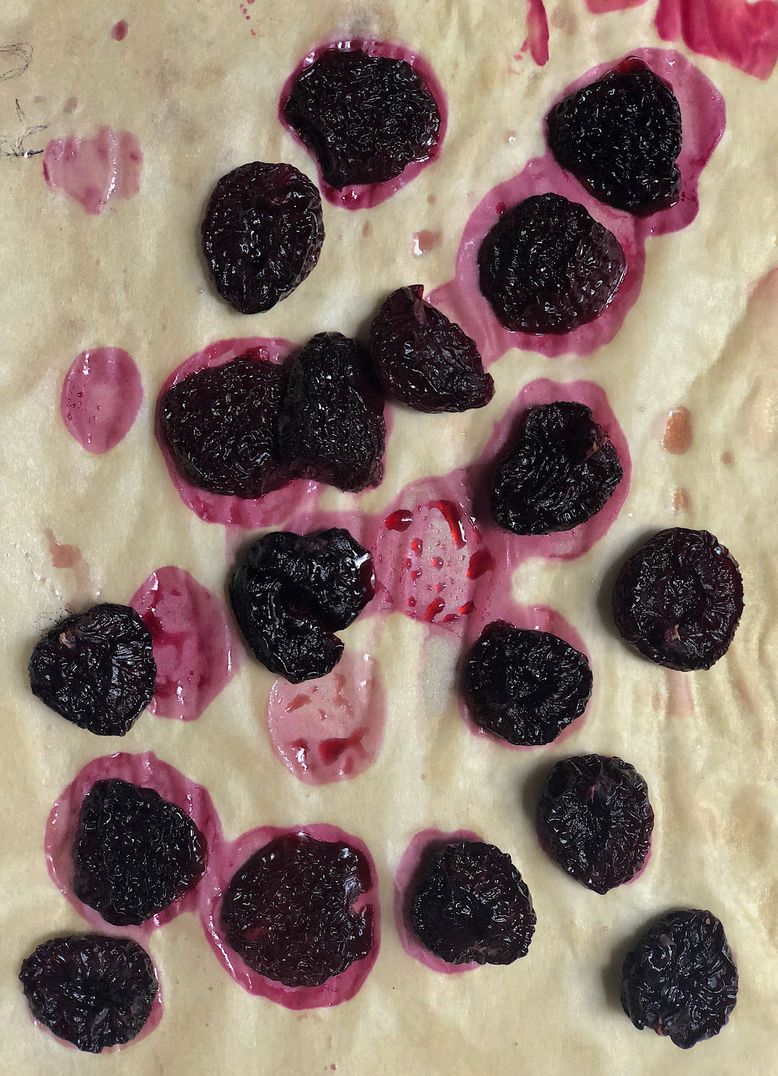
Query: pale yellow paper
pixel 200 93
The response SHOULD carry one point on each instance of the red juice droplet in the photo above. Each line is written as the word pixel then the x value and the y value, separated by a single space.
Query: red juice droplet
pixel 399 520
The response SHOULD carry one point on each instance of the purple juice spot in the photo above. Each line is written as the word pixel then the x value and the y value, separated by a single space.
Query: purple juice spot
pixel 738 32
pixel 329 729
pixel 221 868
pixel 424 844
pixel 194 644
pixel 146 771
pixel 703 111
pixel 367 195
pixel 602 7
pixel 101 396
pixel 119 30
pixel 272 509
pixel 94 171
pixel 537 32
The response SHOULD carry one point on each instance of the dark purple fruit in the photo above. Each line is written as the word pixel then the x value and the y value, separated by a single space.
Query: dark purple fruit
pixel 525 686
pixel 292 591
pixel 92 991
pixel 620 136
pixel 289 911
pixel 331 427
pixel 548 267
pixel 364 117
pixel 595 820
pixel 680 980
pixel 423 359
pixel 134 853
pixel 96 669
pixel 679 599
pixel 262 234
pixel 220 425
pixel 558 472
pixel 470 905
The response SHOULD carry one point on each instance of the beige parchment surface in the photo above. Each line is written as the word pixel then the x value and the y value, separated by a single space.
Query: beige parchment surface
pixel 200 93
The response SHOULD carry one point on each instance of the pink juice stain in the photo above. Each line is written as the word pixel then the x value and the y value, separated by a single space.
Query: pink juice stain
pixel 146 771
pixel 252 514
pixel 537 32
pixel 100 398
pixel 367 195
pixel 230 859
pixel 418 853
pixel 602 7
pixel 329 729
pixel 119 30
pixel 94 171
pixel 434 564
pixel 738 32
pixel 703 112
pixel 195 646
pixel 423 242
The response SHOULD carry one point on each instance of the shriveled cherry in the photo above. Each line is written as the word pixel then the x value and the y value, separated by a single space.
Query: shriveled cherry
pixel 547 266
pixel 423 359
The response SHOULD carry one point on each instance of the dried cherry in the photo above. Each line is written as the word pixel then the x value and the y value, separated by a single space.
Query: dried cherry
pixel 678 600
pixel 292 591
pixel 680 979
pixel 290 910
pixel 470 905
pixel 423 359
pixel 547 266
pixel 262 234
pixel 96 669
pixel 364 117
pixel 134 853
pixel 525 686
pixel 331 427
pixel 220 425
pixel 620 136
pixel 92 991
pixel 595 820
pixel 559 472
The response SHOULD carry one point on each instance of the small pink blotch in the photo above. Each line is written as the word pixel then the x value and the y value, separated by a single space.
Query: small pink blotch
pixel 94 171
pixel 119 30
pixel 424 241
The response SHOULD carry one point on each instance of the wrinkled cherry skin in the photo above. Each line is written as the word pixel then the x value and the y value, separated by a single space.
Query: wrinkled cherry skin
pixel 92 991
pixel 290 913
pixel 262 234
pixel 558 473
pixel 364 117
pixel 470 905
pixel 96 669
pixel 547 266
pixel 220 426
pixel 134 852
pixel 424 360
pixel 621 136
pixel 291 592
pixel 678 600
pixel 525 686
pixel 680 979
pixel 595 820
pixel 331 427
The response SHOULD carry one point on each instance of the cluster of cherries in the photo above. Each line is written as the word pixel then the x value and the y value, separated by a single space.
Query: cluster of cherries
pixel 293 910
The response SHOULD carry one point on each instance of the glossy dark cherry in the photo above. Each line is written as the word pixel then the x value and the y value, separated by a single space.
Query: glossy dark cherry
pixel 548 267
pixel 620 136
pixel 292 591
pixel 220 426
pixel 595 820
pixel 679 599
pixel 92 991
pixel 423 359
pixel 331 427
pixel 96 669
pixel 289 911
pixel 262 234
pixel 134 852
pixel 680 979
pixel 525 686
pixel 470 905
pixel 557 473
pixel 364 117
